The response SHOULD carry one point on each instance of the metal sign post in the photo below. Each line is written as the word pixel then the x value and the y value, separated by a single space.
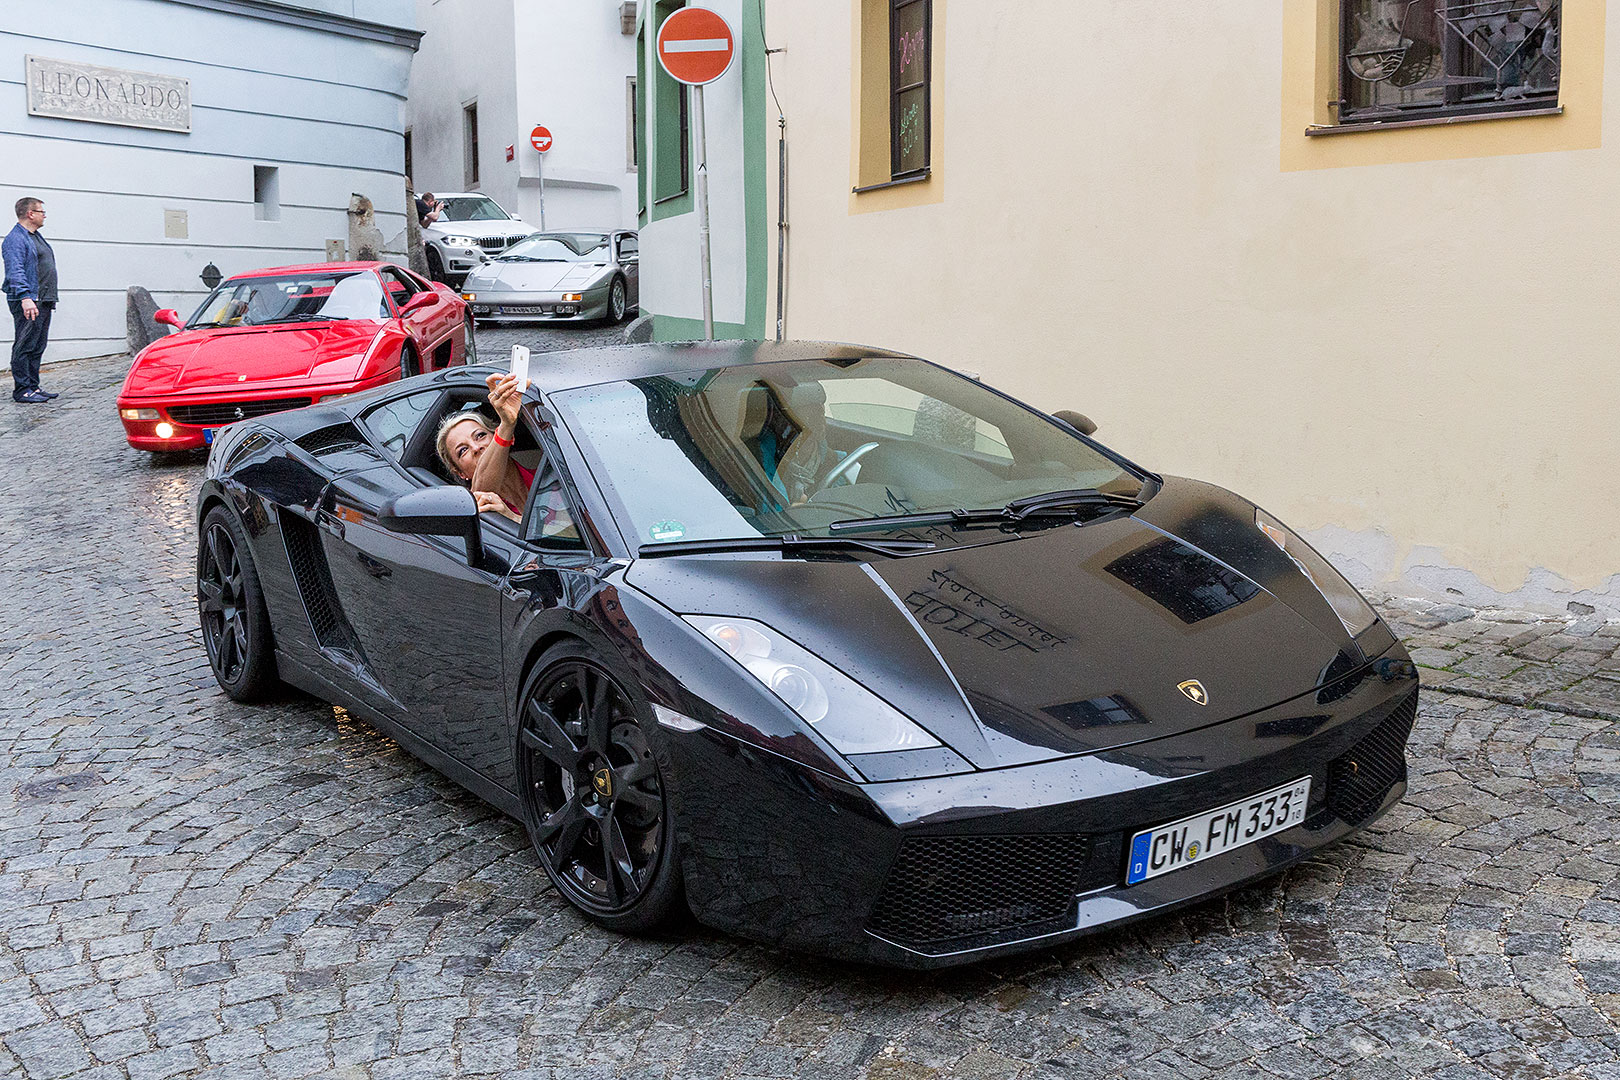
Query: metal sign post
pixel 696 46
pixel 540 139
pixel 542 193
pixel 699 134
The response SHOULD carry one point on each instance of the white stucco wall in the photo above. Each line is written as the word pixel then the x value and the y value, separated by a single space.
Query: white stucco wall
pixel 323 108
pixel 559 63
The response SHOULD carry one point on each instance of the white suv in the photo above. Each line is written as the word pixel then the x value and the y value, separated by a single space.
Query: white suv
pixel 471 227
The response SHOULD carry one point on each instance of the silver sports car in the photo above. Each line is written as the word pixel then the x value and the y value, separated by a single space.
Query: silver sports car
pixel 558 276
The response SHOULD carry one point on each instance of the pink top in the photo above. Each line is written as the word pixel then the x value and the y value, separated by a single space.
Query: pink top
pixel 528 482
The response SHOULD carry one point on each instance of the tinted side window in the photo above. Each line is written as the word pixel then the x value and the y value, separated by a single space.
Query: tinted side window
pixel 399 285
pixel 549 521
pixel 393 422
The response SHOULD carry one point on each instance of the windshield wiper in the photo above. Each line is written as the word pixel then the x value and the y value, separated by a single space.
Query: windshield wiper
pixel 304 317
pixel 1051 502
pixel 786 544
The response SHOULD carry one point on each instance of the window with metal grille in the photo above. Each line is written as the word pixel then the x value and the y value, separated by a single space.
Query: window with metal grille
pixel 910 40
pixel 1411 59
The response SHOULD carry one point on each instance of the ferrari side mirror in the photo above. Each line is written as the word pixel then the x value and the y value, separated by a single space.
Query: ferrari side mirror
pixel 419 301
pixel 450 510
pixel 1078 421
pixel 169 316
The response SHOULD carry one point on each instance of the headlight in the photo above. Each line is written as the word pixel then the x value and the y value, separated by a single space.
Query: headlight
pixel 1354 612
pixel 138 414
pixel 845 713
pixel 461 241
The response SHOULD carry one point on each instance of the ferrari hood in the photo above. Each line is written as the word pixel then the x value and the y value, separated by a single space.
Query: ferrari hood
pixel 211 361
pixel 529 277
pixel 1067 641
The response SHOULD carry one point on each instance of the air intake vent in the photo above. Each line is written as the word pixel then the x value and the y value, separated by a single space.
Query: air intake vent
pixel 218 413
pixel 945 887
pixel 314 579
pixel 1359 780
pixel 328 439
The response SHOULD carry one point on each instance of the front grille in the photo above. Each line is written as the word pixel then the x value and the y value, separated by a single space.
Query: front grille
pixel 1359 779
pixel 944 887
pixel 497 243
pixel 227 412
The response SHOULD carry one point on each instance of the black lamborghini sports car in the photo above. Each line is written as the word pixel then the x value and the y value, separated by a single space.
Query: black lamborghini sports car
pixel 835 647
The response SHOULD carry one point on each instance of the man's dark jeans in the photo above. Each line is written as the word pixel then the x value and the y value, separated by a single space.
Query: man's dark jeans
pixel 28 346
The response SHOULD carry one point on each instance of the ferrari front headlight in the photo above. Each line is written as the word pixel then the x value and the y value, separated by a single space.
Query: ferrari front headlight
pixel 846 714
pixel 1353 611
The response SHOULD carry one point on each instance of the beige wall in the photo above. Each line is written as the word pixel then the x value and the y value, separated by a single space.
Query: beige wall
pixel 1403 343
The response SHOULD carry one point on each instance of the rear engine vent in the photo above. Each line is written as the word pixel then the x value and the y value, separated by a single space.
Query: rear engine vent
pixel 328 439
pixel 228 412
pixel 1359 780
pixel 945 887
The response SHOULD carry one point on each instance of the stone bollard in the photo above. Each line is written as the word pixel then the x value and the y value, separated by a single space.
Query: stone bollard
pixel 140 328
pixel 365 239
pixel 415 253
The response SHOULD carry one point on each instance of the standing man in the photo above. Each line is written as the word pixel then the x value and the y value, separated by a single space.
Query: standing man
pixel 30 287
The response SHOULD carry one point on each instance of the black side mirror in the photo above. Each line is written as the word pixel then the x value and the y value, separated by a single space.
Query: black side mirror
pixel 436 511
pixel 1078 421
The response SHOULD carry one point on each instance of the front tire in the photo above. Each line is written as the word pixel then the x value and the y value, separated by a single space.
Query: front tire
pixel 410 364
pixel 595 799
pixel 618 302
pixel 231 610
pixel 435 265
pixel 469 341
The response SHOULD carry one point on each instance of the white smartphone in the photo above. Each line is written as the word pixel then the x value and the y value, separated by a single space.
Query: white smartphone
pixel 520 366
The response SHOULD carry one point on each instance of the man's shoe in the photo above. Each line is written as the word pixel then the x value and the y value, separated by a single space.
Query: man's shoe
pixel 48 394
pixel 33 397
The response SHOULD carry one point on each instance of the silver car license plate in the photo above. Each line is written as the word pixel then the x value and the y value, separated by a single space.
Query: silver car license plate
pixel 1215 832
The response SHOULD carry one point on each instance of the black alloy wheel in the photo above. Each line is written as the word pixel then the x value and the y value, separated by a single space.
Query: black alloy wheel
pixel 469 342
pixel 594 798
pixel 409 363
pixel 230 608
pixel 617 300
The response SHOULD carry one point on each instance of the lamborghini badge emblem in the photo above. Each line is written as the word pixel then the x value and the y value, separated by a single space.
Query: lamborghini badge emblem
pixel 602 781
pixel 1194 690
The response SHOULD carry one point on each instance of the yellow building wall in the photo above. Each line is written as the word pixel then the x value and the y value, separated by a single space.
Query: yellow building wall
pixel 1403 343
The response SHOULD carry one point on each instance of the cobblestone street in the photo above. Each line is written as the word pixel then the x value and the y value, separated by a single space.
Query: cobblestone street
pixel 191 887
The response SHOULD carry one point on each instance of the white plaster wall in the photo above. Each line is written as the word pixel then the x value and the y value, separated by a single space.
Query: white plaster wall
pixel 324 109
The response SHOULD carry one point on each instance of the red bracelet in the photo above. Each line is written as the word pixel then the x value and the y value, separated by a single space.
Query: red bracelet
pixel 500 441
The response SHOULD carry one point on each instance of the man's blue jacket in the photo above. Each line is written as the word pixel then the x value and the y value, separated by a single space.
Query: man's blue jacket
pixel 22 264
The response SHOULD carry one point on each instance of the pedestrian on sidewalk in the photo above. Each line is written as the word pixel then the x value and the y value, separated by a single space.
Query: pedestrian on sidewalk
pixel 30 287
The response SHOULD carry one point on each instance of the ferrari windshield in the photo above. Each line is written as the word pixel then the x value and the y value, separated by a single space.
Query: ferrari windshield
pixel 317 296
pixel 559 247
pixel 471 208
pixel 791 448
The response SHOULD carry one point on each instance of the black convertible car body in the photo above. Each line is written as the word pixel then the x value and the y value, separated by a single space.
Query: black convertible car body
pixel 840 649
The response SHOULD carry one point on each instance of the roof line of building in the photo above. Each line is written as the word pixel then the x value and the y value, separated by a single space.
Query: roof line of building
pixel 347 25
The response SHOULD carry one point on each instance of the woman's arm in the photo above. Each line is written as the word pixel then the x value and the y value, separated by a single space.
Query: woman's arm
pixel 490 472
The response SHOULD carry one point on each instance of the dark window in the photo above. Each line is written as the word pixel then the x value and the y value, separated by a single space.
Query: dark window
pixel 1407 59
pixel 399 285
pixel 267 193
pixel 392 423
pixel 672 170
pixel 469 128
pixel 409 182
pixel 910 39
pixel 549 522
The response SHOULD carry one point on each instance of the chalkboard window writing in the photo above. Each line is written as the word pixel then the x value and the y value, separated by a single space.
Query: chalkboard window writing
pixel 910 42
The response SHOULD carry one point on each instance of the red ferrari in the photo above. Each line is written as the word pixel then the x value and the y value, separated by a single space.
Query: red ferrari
pixel 284 338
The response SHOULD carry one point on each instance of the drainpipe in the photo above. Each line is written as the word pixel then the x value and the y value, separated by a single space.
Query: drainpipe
pixel 781 225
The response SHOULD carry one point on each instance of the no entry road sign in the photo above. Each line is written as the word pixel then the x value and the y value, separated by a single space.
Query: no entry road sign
pixel 540 139
pixel 695 46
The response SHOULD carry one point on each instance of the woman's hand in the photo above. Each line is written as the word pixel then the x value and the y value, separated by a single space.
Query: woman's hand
pixel 504 396
pixel 491 503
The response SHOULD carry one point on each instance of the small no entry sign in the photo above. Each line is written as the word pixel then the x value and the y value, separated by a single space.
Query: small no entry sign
pixel 540 139
pixel 695 46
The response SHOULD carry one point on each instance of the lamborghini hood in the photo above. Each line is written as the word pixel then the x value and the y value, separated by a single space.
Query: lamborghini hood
pixel 1070 640
pixel 260 357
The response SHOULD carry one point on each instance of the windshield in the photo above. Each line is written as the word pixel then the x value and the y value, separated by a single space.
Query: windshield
pixel 471 208
pixel 790 448
pixel 560 247
pixel 318 296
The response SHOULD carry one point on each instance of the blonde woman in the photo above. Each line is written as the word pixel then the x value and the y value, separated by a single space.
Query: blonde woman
pixel 479 453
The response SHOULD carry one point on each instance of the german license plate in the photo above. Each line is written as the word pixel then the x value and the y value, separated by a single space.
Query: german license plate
pixel 1215 832
pixel 208 436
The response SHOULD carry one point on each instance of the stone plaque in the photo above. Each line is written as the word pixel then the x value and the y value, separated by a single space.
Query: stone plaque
pixel 70 90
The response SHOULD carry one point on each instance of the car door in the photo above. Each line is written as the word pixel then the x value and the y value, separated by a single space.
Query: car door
pixel 629 256
pixel 427 327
